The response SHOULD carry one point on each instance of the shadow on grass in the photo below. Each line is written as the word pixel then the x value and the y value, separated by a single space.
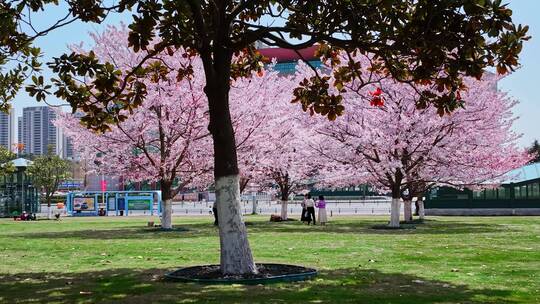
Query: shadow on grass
pixel 116 233
pixel 366 227
pixel 146 286
pixel 188 230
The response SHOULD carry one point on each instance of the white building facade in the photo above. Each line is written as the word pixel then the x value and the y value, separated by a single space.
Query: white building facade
pixel 37 131
pixel 7 129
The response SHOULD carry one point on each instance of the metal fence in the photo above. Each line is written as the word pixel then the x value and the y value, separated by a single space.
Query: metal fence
pixel 376 206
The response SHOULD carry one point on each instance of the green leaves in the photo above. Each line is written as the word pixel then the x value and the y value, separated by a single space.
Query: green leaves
pixel 38 88
pixel 100 90
pixel 18 58
pixel 416 42
pixel 6 156
pixel 142 27
pixel 313 95
pixel 425 42
pixel 48 171
pixel 246 62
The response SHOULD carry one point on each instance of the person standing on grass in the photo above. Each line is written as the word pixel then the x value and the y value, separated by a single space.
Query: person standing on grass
pixel 214 211
pixel 304 217
pixel 310 209
pixel 321 204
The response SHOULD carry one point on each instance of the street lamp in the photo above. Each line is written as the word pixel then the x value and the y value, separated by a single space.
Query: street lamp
pixel 103 182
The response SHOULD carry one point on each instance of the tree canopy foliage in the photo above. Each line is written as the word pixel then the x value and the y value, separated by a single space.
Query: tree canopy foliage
pixel 6 156
pixel 534 150
pixel 47 172
pixel 421 41
pixel 416 42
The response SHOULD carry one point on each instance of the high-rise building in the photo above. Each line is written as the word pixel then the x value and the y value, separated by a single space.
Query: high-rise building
pixel 64 146
pixel 19 130
pixel 7 129
pixel 37 130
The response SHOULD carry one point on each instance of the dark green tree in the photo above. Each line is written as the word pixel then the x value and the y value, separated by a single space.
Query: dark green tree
pixel 435 42
pixel 6 156
pixel 534 150
pixel 47 171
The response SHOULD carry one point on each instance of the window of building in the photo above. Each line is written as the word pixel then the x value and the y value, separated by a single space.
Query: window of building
pixel 534 190
pixel 503 193
pixel 520 192
pixel 478 195
pixel 517 192
pixel 491 193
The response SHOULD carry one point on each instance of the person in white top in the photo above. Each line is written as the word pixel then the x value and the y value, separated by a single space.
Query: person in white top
pixel 310 209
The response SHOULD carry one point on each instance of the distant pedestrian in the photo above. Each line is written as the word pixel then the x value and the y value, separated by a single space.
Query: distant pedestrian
pixel 57 214
pixel 304 217
pixel 214 211
pixel 321 204
pixel 310 209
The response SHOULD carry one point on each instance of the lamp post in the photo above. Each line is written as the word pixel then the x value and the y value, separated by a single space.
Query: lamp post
pixel 103 182
pixel 103 189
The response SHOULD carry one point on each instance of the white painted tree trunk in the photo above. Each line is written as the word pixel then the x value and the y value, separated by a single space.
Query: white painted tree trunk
pixel 284 207
pixel 254 207
pixel 166 214
pixel 407 210
pixel 394 212
pixel 421 210
pixel 49 212
pixel 236 257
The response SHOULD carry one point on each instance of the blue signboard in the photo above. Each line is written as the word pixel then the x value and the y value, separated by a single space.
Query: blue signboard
pixel 71 184
pixel 123 203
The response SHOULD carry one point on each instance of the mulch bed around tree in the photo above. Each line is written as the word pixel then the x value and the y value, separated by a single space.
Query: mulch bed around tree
pixel 267 273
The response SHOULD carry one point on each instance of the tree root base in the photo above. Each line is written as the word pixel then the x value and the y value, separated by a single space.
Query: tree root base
pixel 267 273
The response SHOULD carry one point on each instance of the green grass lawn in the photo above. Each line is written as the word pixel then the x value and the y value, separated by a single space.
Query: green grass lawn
pixel 114 260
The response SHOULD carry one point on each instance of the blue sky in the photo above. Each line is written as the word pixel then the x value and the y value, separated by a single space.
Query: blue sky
pixel 524 84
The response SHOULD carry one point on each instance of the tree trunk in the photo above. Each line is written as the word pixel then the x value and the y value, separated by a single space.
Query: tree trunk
pixel 244 181
pixel 166 207
pixel 394 212
pixel 421 210
pixel 255 205
pixel 407 210
pixel 396 196
pixel 284 207
pixel 49 208
pixel 236 257
pixel 166 214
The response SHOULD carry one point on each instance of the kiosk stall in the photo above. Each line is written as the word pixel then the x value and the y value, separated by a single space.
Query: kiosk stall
pixel 119 203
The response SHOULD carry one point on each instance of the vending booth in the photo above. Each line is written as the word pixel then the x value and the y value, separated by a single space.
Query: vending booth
pixel 118 203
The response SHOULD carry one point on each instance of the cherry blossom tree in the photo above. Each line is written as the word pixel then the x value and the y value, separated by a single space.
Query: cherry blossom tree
pixel 286 165
pixel 166 139
pixel 396 146
pixel 414 40
pixel 254 106
pixel 273 153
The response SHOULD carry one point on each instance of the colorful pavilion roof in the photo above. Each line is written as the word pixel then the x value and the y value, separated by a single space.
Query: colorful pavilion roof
pixel 287 55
